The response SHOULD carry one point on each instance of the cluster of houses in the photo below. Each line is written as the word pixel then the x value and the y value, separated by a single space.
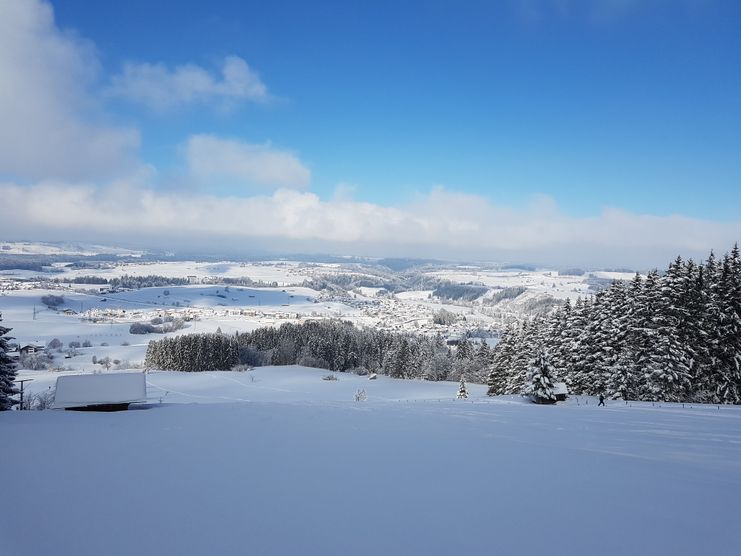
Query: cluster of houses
pixel 16 350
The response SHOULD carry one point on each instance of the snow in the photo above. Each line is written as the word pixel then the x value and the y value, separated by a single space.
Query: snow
pixel 301 468
pixel 626 276
pixel 404 311
pixel 238 309
pixel 285 273
pixel 63 248
pixel 537 282
pixel 98 389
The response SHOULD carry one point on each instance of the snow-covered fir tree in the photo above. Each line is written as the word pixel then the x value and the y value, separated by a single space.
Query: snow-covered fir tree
pixel 539 384
pixel 502 357
pixel 7 372
pixel 462 391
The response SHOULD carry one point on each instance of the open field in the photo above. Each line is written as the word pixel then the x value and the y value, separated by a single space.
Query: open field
pixel 278 461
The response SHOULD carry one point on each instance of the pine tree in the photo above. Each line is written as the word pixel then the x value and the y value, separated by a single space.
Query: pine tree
pixel 522 348
pixel 569 363
pixel 579 377
pixel 668 364
pixel 7 372
pixel 556 340
pixel 622 381
pixel 462 392
pixel 540 380
pixel 728 380
pixel 710 373
pixel 399 359
pixel 501 364
pixel 607 332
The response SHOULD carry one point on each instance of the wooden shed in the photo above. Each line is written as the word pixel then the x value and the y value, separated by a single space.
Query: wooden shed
pixel 561 391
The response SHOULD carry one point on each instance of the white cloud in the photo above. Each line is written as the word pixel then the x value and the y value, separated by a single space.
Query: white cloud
pixel 160 88
pixel 54 133
pixel 51 126
pixel 219 161
pixel 440 224
pixel 598 12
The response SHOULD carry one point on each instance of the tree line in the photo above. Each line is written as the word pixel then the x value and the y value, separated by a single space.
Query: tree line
pixel 193 352
pixel 671 337
pixel 328 344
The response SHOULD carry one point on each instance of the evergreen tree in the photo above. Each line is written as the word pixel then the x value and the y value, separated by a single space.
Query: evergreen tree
pixel 579 377
pixel 622 380
pixel 568 361
pixel 7 372
pixel 710 373
pixel 728 380
pixel 557 338
pixel 540 380
pixel 400 358
pixel 501 364
pixel 462 392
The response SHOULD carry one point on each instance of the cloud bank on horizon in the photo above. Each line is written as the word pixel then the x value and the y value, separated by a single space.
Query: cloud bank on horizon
pixel 72 171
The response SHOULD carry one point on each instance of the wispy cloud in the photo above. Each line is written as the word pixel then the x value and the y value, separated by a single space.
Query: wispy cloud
pixel 160 88
pixel 599 12
pixel 218 161
pixel 441 224
pixel 51 125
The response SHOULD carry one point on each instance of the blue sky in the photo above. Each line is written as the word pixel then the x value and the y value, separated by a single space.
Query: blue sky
pixel 515 129
pixel 637 107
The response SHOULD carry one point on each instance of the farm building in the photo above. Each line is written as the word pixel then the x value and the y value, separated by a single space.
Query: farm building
pixel 100 392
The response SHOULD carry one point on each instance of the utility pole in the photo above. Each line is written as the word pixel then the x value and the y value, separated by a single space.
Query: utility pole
pixel 21 383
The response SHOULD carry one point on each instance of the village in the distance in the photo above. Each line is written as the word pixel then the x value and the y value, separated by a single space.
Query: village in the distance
pixel 71 304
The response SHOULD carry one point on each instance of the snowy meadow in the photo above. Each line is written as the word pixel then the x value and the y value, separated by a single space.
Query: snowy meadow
pixel 278 461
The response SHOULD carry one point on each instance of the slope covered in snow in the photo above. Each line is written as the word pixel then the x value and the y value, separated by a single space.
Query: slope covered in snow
pixel 64 248
pixel 302 468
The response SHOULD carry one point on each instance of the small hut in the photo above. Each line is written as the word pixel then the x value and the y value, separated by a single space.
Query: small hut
pixel 561 391
pixel 100 392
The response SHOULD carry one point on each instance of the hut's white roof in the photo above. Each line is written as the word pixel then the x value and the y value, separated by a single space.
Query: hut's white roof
pixel 99 389
pixel 560 388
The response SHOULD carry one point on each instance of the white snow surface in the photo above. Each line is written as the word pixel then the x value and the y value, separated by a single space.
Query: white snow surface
pixel 63 248
pixel 237 309
pixel 278 461
pixel 101 388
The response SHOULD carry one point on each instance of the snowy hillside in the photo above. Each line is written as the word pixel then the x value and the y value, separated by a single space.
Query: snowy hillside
pixel 304 469
pixel 63 248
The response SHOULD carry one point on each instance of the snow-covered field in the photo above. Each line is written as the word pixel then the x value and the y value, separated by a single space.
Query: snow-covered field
pixel 278 461
pixel 542 281
pixel 237 308
pixel 284 273
pixel 63 248
pixel 104 320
